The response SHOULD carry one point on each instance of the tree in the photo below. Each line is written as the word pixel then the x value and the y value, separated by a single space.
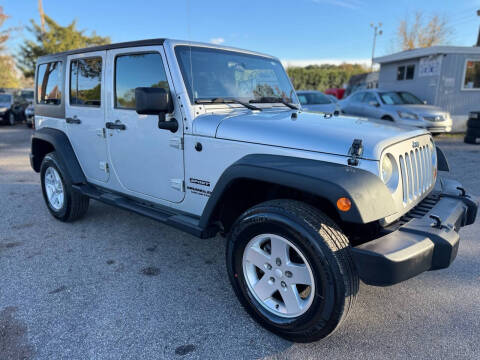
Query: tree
pixel 419 33
pixel 322 77
pixel 55 38
pixel 8 72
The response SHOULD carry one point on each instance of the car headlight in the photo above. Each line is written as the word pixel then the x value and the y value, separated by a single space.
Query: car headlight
pixel 407 115
pixel 3 109
pixel 389 172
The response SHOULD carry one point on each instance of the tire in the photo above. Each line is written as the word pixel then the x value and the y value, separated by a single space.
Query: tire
pixel 387 118
pixel 29 125
pixel 73 205
pixel 473 124
pixel 11 119
pixel 473 132
pixel 471 140
pixel 326 254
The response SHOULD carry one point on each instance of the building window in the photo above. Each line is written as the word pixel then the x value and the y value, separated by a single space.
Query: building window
pixel 405 72
pixel 49 83
pixel 86 82
pixel 472 75
pixel 137 70
pixel 410 72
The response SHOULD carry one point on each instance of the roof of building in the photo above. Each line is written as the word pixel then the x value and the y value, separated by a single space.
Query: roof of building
pixel 421 52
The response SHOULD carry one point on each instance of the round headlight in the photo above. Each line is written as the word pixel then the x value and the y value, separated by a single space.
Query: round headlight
pixel 389 172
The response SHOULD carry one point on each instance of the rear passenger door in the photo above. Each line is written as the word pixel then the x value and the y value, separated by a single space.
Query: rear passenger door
pixel 85 113
pixel 368 109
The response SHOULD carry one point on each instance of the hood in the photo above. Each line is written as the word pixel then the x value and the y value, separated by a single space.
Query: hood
pixel 419 109
pixel 309 131
pixel 4 105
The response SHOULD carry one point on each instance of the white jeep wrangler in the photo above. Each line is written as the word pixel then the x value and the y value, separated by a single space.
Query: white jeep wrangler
pixel 211 139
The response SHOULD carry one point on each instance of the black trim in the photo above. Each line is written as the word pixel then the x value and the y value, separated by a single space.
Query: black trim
pixel 442 163
pixel 63 148
pixel 327 180
pixel 137 43
pixel 168 216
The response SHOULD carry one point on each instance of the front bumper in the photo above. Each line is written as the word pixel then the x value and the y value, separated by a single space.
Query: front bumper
pixel 421 244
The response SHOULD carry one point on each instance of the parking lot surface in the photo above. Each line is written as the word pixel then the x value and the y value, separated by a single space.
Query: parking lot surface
pixel 116 285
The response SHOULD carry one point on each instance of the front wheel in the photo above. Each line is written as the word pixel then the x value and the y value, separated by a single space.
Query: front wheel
pixel 11 119
pixel 291 268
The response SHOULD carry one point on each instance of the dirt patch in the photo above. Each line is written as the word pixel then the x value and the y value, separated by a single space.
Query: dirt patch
pixel 9 245
pixel 22 226
pixel 185 349
pixel 13 337
pixel 57 290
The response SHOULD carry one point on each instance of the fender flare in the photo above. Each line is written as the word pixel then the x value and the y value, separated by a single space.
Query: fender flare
pixel 59 141
pixel 371 199
pixel 442 163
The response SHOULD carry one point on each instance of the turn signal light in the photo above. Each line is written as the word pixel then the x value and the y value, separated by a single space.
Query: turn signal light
pixel 344 204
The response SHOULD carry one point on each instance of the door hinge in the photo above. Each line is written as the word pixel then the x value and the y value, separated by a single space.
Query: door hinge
pixel 355 152
pixel 176 142
pixel 104 166
pixel 178 184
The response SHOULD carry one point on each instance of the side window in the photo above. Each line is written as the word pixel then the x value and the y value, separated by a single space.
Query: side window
pixel 410 72
pixel 400 72
pixel 49 83
pixel 86 82
pixel 369 97
pixel 137 70
pixel 358 97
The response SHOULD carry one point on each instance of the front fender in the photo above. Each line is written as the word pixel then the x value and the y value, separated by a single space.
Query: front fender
pixel 371 199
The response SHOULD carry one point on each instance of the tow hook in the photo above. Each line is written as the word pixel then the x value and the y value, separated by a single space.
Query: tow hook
pixel 438 223
pixel 463 193
pixel 356 151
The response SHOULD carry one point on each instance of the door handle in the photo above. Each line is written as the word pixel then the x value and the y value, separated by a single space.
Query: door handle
pixel 115 125
pixel 73 120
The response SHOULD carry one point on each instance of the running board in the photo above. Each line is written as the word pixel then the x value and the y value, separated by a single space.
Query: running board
pixel 182 222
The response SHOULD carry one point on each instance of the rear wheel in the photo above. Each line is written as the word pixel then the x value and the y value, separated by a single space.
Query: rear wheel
pixel 292 270
pixel 63 202
pixel 11 119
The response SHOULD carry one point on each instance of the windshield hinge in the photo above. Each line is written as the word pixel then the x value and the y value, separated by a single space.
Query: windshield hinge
pixel 355 152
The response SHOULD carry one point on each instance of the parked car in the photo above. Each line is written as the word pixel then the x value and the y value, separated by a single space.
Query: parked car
pixel 27 95
pixel 30 116
pixel 400 107
pixel 209 139
pixel 317 101
pixel 11 108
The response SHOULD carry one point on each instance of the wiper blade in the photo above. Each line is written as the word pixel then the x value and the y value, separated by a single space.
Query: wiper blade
pixel 226 101
pixel 272 99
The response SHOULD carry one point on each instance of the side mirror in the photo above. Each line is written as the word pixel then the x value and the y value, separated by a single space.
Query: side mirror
pixel 373 103
pixel 155 101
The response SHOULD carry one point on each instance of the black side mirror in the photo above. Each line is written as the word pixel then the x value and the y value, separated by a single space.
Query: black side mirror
pixel 155 101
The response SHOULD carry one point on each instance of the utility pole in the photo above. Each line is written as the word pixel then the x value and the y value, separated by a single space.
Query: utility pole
pixel 376 32
pixel 478 36
pixel 42 15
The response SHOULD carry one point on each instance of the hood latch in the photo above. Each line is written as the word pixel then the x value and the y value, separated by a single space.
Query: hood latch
pixel 355 152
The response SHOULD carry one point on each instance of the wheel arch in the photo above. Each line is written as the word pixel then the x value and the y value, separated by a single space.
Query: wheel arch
pixel 46 140
pixel 259 177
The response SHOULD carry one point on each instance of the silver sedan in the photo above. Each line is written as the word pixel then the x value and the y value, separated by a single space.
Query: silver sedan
pixel 401 107
pixel 316 101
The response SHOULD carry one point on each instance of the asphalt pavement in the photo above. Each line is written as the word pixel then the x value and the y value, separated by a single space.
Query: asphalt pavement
pixel 116 285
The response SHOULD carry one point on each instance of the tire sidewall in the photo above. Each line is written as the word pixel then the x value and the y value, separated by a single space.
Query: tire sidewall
pixel 51 160
pixel 9 119
pixel 323 314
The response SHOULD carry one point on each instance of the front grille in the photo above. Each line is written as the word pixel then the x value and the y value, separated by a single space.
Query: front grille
pixel 434 118
pixel 416 171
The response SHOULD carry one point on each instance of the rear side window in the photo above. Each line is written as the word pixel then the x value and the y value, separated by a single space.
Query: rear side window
pixel 137 70
pixel 49 83
pixel 86 82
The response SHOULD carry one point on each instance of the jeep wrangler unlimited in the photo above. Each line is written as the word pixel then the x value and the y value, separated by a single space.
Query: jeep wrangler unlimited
pixel 211 139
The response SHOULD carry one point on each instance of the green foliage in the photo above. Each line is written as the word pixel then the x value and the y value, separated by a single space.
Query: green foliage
pixel 322 77
pixel 56 38
pixel 8 73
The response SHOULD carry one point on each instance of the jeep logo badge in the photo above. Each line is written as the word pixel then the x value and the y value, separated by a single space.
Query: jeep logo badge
pixel 415 144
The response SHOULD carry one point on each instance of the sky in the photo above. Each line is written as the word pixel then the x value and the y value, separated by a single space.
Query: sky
pixel 297 31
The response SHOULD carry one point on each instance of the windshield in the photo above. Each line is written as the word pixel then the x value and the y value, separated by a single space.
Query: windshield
pixel 316 98
pixel 213 73
pixel 399 98
pixel 5 98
